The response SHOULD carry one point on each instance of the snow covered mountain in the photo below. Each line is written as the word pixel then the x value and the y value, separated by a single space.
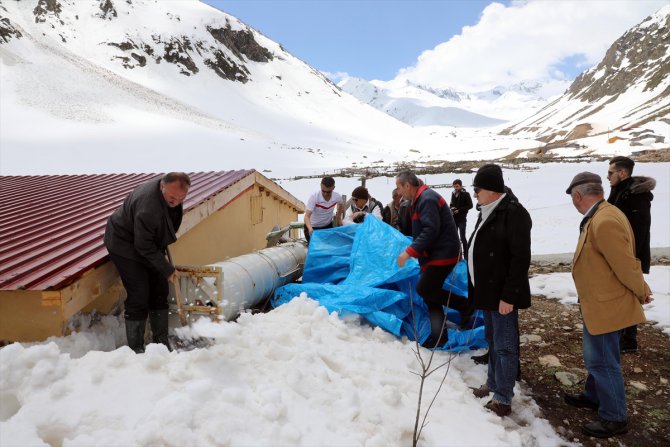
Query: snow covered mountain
pixel 119 85
pixel 420 105
pixel 629 88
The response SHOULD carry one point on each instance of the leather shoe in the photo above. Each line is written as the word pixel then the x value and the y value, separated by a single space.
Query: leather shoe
pixel 481 359
pixel 579 401
pixel 499 408
pixel 604 429
pixel 482 391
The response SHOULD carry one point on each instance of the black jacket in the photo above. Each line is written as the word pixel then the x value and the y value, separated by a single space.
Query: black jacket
pixel 398 219
pixel 633 197
pixel 462 203
pixel 501 257
pixel 143 227
pixel 435 238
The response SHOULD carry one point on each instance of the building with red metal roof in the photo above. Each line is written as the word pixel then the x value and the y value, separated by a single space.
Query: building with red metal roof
pixel 53 263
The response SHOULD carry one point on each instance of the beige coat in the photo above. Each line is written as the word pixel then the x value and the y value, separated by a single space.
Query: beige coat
pixel 607 275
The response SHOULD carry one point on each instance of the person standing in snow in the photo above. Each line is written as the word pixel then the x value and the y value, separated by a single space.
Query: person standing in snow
pixel 633 196
pixel 391 210
pixel 498 263
pixel 611 291
pixel 360 206
pixel 437 248
pixel 320 208
pixel 460 204
pixel 136 237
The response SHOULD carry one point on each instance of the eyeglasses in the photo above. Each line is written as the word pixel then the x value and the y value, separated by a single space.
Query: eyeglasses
pixel 476 190
pixel 324 192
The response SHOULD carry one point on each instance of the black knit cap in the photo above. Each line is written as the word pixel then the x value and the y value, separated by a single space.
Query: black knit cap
pixel 360 192
pixel 489 177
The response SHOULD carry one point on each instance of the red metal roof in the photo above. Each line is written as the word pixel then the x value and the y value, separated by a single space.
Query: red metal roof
pixel 52 226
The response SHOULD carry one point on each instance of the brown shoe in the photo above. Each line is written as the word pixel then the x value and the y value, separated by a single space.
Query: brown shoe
pixel 482 391
pixel 499 408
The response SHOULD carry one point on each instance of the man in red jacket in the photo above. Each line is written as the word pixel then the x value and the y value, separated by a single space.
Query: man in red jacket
pixel 437 247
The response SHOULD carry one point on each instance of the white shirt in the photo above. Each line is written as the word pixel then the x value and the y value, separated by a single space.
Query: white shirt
pixel 322 209
pixel 348 215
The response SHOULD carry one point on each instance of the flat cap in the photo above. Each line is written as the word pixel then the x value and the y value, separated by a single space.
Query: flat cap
pixel 582 178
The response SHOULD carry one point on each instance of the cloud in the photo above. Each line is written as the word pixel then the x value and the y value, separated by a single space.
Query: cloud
pixel 336 76
pixel 528 41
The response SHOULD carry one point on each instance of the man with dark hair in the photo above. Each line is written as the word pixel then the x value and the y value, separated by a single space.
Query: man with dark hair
pixel 396 213
pixel 611 291
pixel 137 236
pixel 437 248
pixel 633 196
pixel 460 204
pixel 498 263
pixel 320 208
pixel 360 206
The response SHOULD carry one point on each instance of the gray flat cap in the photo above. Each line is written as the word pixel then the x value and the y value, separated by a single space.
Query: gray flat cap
pixel 582 178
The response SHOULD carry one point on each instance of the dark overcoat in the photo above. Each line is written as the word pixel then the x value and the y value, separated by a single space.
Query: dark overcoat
pixel 143 227
pixel 501 257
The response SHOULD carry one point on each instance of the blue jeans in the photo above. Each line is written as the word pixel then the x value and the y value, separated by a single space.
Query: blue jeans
pixel 604 385
pixel 502 335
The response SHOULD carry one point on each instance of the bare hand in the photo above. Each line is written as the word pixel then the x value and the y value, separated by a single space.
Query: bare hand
pixel 505 308
pixel 648 299
pixel 402 258
pixel 174 276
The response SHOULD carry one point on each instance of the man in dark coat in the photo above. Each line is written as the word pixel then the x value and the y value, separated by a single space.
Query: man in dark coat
pixel 498 262
pixel 460 204
pixel 437 248
pixel 137 236
pixel 633 196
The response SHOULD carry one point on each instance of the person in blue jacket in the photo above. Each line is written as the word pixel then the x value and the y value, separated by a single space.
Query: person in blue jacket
pixel 437 247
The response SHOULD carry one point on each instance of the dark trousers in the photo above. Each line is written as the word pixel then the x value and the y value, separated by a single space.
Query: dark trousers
pixel 430 289
pixel 629 337
pixel 307 236
pixel 146 288
pixel 461 233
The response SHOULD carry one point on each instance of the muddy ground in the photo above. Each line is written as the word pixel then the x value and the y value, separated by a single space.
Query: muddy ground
pixel 646 374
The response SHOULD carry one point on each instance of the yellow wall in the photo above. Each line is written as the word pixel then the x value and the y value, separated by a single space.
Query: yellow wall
pixel 25 316
pixel 238 228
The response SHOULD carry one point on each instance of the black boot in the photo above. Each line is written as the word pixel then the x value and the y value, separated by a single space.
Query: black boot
pixel 481 359
pixel 135 334
pixel 158 319
pixel 438 329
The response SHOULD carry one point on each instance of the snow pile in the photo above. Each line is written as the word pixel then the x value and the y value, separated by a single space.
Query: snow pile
pixel 295 376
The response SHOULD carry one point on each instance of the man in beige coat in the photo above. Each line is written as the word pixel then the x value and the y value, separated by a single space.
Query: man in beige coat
pixel 611 292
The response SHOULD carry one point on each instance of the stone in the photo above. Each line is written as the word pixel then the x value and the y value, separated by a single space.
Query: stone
pixel 567 328
pixel 638 385
pixel 567 378
pixel 637 370
pixel 549 361
pixel 529 338
pixel 664 381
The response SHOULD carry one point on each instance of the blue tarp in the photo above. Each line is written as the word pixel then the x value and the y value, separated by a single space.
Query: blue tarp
pixel 353 270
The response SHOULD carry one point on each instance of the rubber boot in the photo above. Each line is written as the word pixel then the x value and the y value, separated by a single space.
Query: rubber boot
pixel 437 323
pixel 158 319
pixel 135 334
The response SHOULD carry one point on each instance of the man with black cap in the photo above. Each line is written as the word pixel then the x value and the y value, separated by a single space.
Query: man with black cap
pixel 498 262
pixel 611 291
pixel 437 248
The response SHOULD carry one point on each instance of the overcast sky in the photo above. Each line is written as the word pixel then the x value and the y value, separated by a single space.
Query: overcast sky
pixel 467 45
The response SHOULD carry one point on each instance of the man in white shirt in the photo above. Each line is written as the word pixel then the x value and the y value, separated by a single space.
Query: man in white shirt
pixel 320 208
pixel 361 205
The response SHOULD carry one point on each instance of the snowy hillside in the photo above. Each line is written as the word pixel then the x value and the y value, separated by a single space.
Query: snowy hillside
pixel 419 105
pixel 629 88
pixel 111 84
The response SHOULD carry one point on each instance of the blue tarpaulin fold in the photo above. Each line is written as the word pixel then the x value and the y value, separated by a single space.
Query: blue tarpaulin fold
pixel 353 270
